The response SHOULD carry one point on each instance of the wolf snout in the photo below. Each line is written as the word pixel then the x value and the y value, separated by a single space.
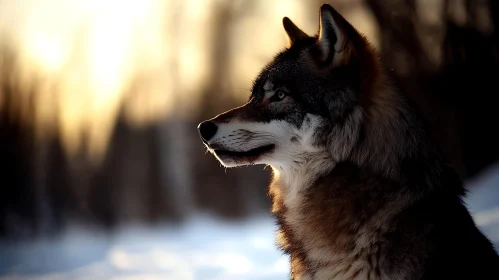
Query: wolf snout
pixel 207 130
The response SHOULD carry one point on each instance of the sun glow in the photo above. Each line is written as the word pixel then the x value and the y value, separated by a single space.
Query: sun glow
pixel 84 57
pixel 76 65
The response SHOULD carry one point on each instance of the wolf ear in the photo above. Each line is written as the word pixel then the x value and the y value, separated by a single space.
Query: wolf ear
pixel 294 33
pixel 336 36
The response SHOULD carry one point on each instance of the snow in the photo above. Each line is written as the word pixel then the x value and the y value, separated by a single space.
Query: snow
pixel 201 248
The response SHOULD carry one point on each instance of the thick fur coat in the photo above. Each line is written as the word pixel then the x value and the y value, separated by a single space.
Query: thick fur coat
pixel 359 191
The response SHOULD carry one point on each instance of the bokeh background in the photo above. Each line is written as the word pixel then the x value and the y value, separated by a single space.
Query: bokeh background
pixel 102 173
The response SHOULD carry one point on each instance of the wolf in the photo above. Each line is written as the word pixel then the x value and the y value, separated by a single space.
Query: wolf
pixel 359 190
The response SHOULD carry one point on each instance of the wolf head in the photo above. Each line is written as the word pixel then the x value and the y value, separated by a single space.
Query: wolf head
pixel 310 100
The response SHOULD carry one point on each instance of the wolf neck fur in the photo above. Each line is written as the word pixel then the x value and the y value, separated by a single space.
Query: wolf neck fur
pixel 341 234
pixel 390 132
pixel 305 169
pixel 350 202
pixel 387 120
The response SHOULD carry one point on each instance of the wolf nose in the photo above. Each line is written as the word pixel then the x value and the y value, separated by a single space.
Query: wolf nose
pixel 207 129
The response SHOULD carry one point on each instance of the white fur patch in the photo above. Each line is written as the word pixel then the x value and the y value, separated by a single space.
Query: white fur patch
pixel 244 136
pixel 301 162
pixel 288 153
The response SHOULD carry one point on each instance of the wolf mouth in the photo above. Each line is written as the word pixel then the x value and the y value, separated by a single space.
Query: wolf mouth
pixel 246 154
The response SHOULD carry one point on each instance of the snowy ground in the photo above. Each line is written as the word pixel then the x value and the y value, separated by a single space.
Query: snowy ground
pixel 203 248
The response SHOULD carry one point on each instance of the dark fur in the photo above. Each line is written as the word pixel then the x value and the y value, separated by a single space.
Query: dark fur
pixel 390 187
pixel 433 237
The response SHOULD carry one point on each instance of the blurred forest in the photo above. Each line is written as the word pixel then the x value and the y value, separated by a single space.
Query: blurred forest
pixel 98 111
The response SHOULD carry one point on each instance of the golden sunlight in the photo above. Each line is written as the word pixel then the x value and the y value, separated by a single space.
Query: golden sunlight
pixel 84 57
pixel 81 64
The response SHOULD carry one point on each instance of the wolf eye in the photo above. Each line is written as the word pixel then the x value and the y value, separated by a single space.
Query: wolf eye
pixel 278 96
